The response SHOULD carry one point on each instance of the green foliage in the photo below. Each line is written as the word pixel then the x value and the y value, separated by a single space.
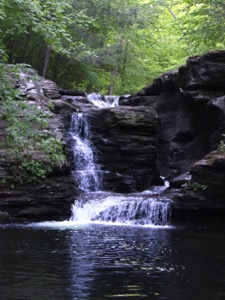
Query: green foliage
pixel 97 45
pixel 108 46
pixel 203 24
pixel 31 147
pixel 198 187
pixel 133 43
pixel 31 31
pixel 221 146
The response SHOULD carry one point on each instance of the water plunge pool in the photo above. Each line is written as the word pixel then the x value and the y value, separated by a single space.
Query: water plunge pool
pixel 69 261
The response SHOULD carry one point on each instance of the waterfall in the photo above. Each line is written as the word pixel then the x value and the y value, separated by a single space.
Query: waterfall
pixel 146 208
pixel 101 101
pixel 85 169
pixel 94 205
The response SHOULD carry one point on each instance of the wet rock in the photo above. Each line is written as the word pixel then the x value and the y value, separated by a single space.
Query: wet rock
pixel 48 200
pixel 204 191
pixel 72 93
pixel 4 216
pixel 125 141
pixel 62 107
pixel 78 102
pixel 181 180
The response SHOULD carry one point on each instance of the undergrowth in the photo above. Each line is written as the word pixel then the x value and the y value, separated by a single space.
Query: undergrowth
pixel 31 147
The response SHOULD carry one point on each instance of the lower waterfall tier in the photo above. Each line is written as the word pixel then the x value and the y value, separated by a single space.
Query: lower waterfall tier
pixel 146 208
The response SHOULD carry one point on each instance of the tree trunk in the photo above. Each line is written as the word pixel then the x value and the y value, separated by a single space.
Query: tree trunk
pixel 46 61
pixel 112 82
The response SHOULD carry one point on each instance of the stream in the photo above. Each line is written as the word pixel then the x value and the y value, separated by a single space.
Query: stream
pixel 70 261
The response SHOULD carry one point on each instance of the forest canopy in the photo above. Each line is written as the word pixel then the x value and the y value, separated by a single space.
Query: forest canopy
pixel 112 47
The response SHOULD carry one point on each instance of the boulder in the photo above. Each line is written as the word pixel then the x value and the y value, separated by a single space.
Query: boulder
pixel 165 82
pixel 204 191
pixel 50 89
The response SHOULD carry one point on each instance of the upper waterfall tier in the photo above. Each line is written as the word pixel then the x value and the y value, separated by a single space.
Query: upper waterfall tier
pixel 85 169
pixel 101 101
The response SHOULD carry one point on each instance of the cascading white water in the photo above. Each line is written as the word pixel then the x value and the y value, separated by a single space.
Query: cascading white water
pixel 85 173
pixel 101 101
pixel 146 208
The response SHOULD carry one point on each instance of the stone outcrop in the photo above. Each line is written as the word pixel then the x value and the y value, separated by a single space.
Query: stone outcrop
pixel 48 200
pixel 51 198
pixel 203 192
pixel 191 106
pixel 125 139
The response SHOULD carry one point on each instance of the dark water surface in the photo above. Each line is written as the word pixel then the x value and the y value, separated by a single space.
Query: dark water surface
pixel 112 262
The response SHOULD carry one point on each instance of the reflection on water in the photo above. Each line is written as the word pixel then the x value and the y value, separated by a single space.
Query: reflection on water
pixel 111 262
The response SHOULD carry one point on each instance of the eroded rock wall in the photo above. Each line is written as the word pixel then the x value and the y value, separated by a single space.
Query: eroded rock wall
pixel 125 139
pixel 191 106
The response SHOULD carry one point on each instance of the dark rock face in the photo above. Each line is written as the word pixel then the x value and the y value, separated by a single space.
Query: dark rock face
pixel 190 104
pixel 125 139
pixel 191 107
pixel 204 72
pixel 72 93
pixel 185 131
pixel 203 192
pixel 49 200
pixel 165 82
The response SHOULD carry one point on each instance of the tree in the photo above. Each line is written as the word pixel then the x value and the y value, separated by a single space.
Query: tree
pixel 204 24
pixel 130 38
pixel 44 26
pixel 108 46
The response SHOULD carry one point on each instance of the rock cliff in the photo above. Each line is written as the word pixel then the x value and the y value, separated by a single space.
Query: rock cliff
pixel 191 106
